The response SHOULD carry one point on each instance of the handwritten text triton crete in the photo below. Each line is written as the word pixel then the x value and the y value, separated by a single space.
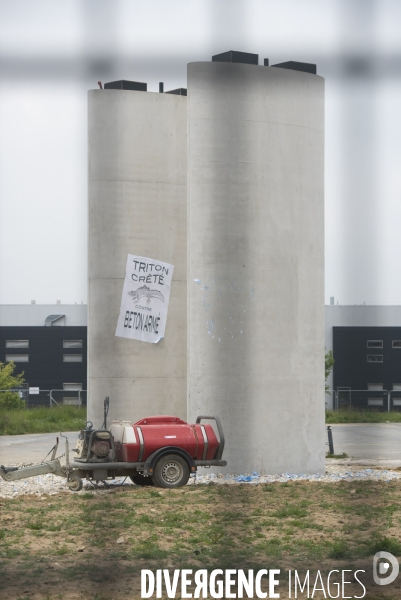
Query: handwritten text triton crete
pixel 155 271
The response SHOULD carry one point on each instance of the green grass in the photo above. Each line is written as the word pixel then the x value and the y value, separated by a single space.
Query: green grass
pixel 294 525
pixel 343 455
pixel 72 418
pixel 354 415
pixel 290 511
pixel 42 420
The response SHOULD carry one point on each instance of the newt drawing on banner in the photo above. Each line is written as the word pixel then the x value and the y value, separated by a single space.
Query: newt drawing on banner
pixel 145 299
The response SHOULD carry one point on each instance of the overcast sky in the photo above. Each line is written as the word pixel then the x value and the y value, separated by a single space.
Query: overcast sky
pixel 51 53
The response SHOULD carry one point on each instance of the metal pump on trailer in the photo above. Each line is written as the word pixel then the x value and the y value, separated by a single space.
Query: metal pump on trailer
pixel 159 450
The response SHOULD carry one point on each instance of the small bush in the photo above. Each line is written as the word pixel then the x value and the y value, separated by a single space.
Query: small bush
pixel 388 544
pixel 11 401
pixel 338 549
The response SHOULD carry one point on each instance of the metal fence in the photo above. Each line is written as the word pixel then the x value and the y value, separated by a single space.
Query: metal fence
pixel 67 397
pixel 50 398
pixel 380 400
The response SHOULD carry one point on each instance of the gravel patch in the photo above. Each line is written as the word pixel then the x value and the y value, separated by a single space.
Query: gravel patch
pixel 51 484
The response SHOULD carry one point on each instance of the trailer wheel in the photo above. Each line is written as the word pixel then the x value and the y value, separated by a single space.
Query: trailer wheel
pixel 171 471
pixel 141 479
pixel 75 483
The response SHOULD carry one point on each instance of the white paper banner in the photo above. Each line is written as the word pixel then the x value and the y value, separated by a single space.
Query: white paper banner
pixel 144 304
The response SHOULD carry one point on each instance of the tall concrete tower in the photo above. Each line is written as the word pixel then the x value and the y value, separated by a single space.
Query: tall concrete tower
pixel 255 260
pixel 137 205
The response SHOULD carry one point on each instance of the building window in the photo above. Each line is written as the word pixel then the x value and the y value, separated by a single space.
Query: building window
pixel 375 387
pixel 375 344
pixel 72 400
pixel 72 358
pixel 375 401
pixel 17 343
pixel 17 358
pixel 396 343
pixel 343 397
pixel 72 343
pixel 72 387
pixel 375 358
pixel 397 387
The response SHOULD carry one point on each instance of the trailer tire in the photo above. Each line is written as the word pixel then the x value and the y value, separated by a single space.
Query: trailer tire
pixel 75 483
pixel 171 471
pixel 140 479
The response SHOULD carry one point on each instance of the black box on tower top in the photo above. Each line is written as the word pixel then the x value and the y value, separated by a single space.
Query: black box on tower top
pixel 178 92
pixel 237 57
pixel 297 66
pixel 123 84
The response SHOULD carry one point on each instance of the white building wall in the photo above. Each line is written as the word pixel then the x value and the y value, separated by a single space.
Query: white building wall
pixel 34 315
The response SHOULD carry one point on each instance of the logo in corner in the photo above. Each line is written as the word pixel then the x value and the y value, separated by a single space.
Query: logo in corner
pixel 382 563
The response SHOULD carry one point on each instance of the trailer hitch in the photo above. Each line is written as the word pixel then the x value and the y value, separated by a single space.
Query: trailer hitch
pixel 8 469
pixel 51 466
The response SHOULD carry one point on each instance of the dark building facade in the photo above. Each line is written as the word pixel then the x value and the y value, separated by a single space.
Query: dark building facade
pixel 52 358
pixel 367 369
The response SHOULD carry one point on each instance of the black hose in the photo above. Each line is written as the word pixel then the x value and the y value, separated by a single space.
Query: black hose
pixel 106 405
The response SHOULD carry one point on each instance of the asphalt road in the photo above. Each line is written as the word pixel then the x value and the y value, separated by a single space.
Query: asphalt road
pixel 373 441
pixel 31 448
pixel 361 441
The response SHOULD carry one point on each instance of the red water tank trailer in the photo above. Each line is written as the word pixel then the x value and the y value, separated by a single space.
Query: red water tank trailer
pixel 159 450
pixel 148 435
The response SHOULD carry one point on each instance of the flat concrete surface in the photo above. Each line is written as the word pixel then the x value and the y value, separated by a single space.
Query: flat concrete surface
pixel 365 444
pixel 368 441
pixel 255 262
pixel 32 448
pixel 137 189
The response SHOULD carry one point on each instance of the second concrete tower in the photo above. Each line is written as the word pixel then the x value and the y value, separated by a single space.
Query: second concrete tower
pixel 256 262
